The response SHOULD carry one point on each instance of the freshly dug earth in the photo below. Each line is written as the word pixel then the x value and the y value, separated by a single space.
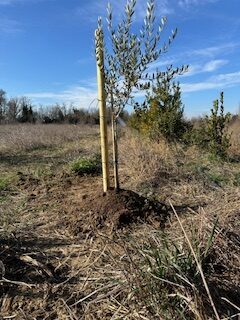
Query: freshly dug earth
pixel 115 210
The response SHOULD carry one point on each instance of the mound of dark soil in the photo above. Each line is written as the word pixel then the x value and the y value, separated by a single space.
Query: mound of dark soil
pixel 115 210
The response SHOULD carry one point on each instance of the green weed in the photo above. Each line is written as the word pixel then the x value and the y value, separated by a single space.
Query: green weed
pixel 87 165
pixel 218 179
pixel 168 281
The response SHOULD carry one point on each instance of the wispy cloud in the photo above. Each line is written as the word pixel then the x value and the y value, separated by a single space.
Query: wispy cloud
pixel 78 95
pixel 215 50
pixel 188 3
pixel 220 81
pixel 209 66
pixel 9 25
pixel 214 65
pixel 213 53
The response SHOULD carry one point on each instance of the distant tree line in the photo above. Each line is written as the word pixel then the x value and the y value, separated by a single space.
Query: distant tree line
pixel 22 110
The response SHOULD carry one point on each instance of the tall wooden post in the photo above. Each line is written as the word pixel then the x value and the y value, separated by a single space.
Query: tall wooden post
pixel 102 108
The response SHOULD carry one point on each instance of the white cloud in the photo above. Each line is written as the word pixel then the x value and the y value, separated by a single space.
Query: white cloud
pixel 200 55
pixel 220 81
pixel 78 95
pixel 85 95
pixel 213 65
pixel 214 50
pixel 193 69
pixel 207 67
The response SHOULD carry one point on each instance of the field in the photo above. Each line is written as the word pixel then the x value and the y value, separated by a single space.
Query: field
pixel 62 256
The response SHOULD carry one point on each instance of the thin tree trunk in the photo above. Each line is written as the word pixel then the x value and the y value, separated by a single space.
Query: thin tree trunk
pixel 115 147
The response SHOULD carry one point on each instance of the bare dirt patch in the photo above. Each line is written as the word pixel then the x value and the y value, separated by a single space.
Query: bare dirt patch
pixel 114 210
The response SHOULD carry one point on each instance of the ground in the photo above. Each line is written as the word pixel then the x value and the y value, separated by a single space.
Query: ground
pixel 67 251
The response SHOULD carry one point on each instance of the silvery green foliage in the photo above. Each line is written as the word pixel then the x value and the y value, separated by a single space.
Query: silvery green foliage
pixel 130 54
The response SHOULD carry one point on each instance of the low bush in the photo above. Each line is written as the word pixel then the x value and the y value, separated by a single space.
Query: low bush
pixel 162 113
pixel 212 134
pixel 87 165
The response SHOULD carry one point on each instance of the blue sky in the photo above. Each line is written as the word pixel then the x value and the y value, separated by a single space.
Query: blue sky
pixel 47 49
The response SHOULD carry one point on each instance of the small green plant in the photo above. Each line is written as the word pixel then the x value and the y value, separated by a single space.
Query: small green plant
pixel 87 165
pixel 212 134
pixel 4 184
pixel 218 179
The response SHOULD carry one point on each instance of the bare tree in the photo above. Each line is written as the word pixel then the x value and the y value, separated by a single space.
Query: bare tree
pixel 13 109
pixel 3 101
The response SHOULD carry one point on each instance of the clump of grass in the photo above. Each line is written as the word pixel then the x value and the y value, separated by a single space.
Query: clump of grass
pixel 4 183
pixel 166 282
pixel 237 179
pixel 218 179
pixel 87 165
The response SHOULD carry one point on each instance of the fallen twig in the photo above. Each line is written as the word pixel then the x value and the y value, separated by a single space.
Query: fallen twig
pixel 18 283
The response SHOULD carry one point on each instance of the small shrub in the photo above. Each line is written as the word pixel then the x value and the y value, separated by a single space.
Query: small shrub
pixel 162 114
pixel 87 165
pixel 212 134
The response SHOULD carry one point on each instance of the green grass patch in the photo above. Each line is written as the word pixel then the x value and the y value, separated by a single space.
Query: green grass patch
pixel 4 183
pixel 218 179
pixel 237 179
pixel 3 199
pixel 87 165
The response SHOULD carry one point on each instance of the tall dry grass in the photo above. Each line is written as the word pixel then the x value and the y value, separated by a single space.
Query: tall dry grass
pixel 234 129
pixel 179 171
pixel 27 137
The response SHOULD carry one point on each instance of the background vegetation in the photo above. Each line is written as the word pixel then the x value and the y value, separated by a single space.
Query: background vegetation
pixel 59 270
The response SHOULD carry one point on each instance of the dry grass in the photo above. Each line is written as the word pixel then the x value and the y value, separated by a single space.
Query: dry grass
pixel 24 137
pixel 107 275
pixel 186 176
pixel 235 138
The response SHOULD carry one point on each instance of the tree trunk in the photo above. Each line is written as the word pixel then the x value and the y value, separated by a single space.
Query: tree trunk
pixel 115 151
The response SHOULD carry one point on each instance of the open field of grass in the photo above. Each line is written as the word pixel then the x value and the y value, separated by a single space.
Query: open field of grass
pixel 56 264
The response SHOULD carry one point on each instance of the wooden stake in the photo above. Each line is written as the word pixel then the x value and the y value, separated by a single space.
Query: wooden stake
pixel 102 108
